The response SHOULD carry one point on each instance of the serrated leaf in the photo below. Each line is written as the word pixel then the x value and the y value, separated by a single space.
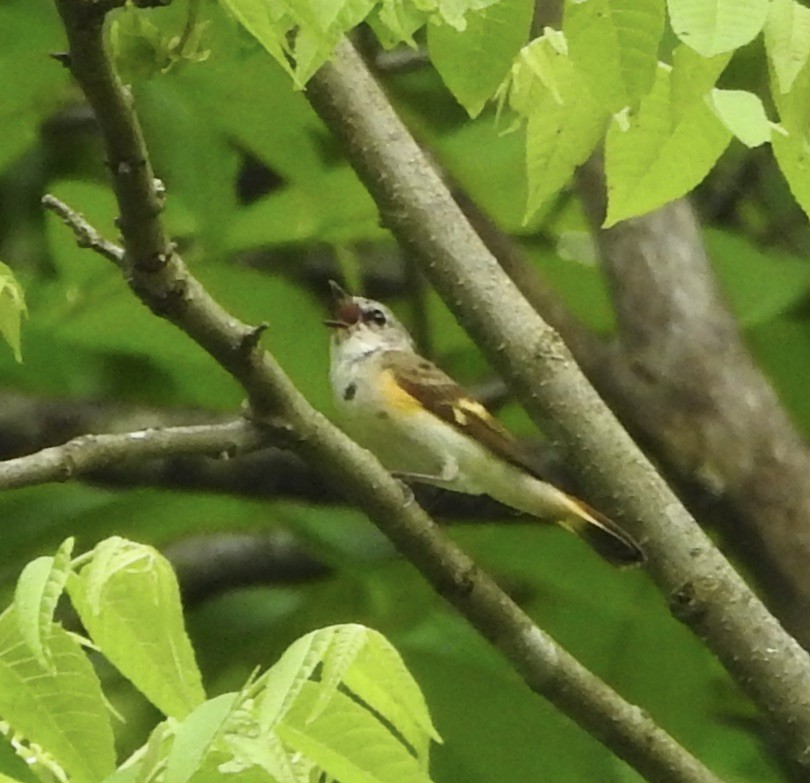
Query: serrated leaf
pixel 195 736
pixel 129 602
pixel 534 73
pixel 614 45
pixel 314 45
pixel 794 106
pixel 395 21
pixel 62 710
pixel 743 114
pixel 267 752
pixel 12 309
pixel 714 26
pixel 38 590
pixel 347 641
pixel 693 76
pixel 665 151
pixel 473 62
pixel 283 683
pixel 378 676
pixel 792 152
pixel 564 121
pixel 269 29
pixel 348 742
pixel 787 40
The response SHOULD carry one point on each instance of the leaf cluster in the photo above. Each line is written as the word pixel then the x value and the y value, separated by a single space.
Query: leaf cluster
pixel 339 704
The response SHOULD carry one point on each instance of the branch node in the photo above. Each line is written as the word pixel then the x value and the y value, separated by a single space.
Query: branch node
pixel 63 58
pixel 251 338
pixel 686 603
pixel 85 234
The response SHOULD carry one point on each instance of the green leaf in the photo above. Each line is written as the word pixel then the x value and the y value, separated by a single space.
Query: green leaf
pixel 12 309
pixel 743 114
pixel 38 590
pixel 267 752
pixel 473 62
pixel 314 43
pixel 714 26
pixel 196 735
pixel 62 710
pixel 792 152
pixel 787 40
pixel 395 21
pixel 693 76
pixel 268 24
pixel 285 680
pixel 379 677
pixel 564 121
pixel 129 602
pixel 665 151
pixel 614 44
pixel 348 742
pixel 760 284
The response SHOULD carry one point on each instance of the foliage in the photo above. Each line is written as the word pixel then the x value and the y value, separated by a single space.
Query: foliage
pixel 339 703
pixel 666 99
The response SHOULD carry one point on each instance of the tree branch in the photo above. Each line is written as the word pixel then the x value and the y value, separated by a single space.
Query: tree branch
pixel 685 379
pixel 93 452
pixel 159 277
pixel 701 587
pixel 207 566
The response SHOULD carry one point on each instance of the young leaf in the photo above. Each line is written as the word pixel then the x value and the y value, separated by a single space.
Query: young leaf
pixel 62 710
pixel 268 25
pixel 12 309
pixel 565 122
pixel 380 679
pixel 286 678
pixel 348 742
pixel 793 156
pixel 38 590
pixel 664 152
pixel 195 736
pixel 714 26
pixel 474 61
pixel 266 751
pixel 787 40
pixel 129 602
pixel 314 43
pixel 614 45
pixel 743 114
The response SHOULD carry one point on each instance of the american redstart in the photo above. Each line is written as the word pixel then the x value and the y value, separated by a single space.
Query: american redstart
pixel 424 427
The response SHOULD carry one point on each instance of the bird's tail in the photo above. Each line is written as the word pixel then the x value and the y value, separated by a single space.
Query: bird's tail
pixel 603 535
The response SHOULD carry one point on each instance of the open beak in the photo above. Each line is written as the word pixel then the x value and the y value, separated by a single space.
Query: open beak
pixel 344 308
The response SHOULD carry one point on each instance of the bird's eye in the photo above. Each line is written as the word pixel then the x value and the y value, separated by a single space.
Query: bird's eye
pixel 375 316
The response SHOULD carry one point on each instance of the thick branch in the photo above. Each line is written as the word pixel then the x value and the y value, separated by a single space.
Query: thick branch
pixel 545 666
pixel 690 385
pixel 207 566
pixel 700 585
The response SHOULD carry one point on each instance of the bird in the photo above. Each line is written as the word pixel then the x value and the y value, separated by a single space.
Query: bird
pixel 424 427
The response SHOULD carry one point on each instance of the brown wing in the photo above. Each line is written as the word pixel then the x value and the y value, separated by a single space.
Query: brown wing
pixel 443 397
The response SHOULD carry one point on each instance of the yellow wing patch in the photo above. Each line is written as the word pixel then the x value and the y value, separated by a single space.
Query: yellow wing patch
pixel 464 405
pixel 396 397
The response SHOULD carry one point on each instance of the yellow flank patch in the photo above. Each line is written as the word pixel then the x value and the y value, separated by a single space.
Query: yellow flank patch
pixel 396 396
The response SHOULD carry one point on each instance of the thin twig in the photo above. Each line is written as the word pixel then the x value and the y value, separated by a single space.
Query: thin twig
pixel 86 235
pixel 93 452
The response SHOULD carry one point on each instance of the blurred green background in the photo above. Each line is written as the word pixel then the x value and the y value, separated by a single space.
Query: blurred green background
pixel 265 211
